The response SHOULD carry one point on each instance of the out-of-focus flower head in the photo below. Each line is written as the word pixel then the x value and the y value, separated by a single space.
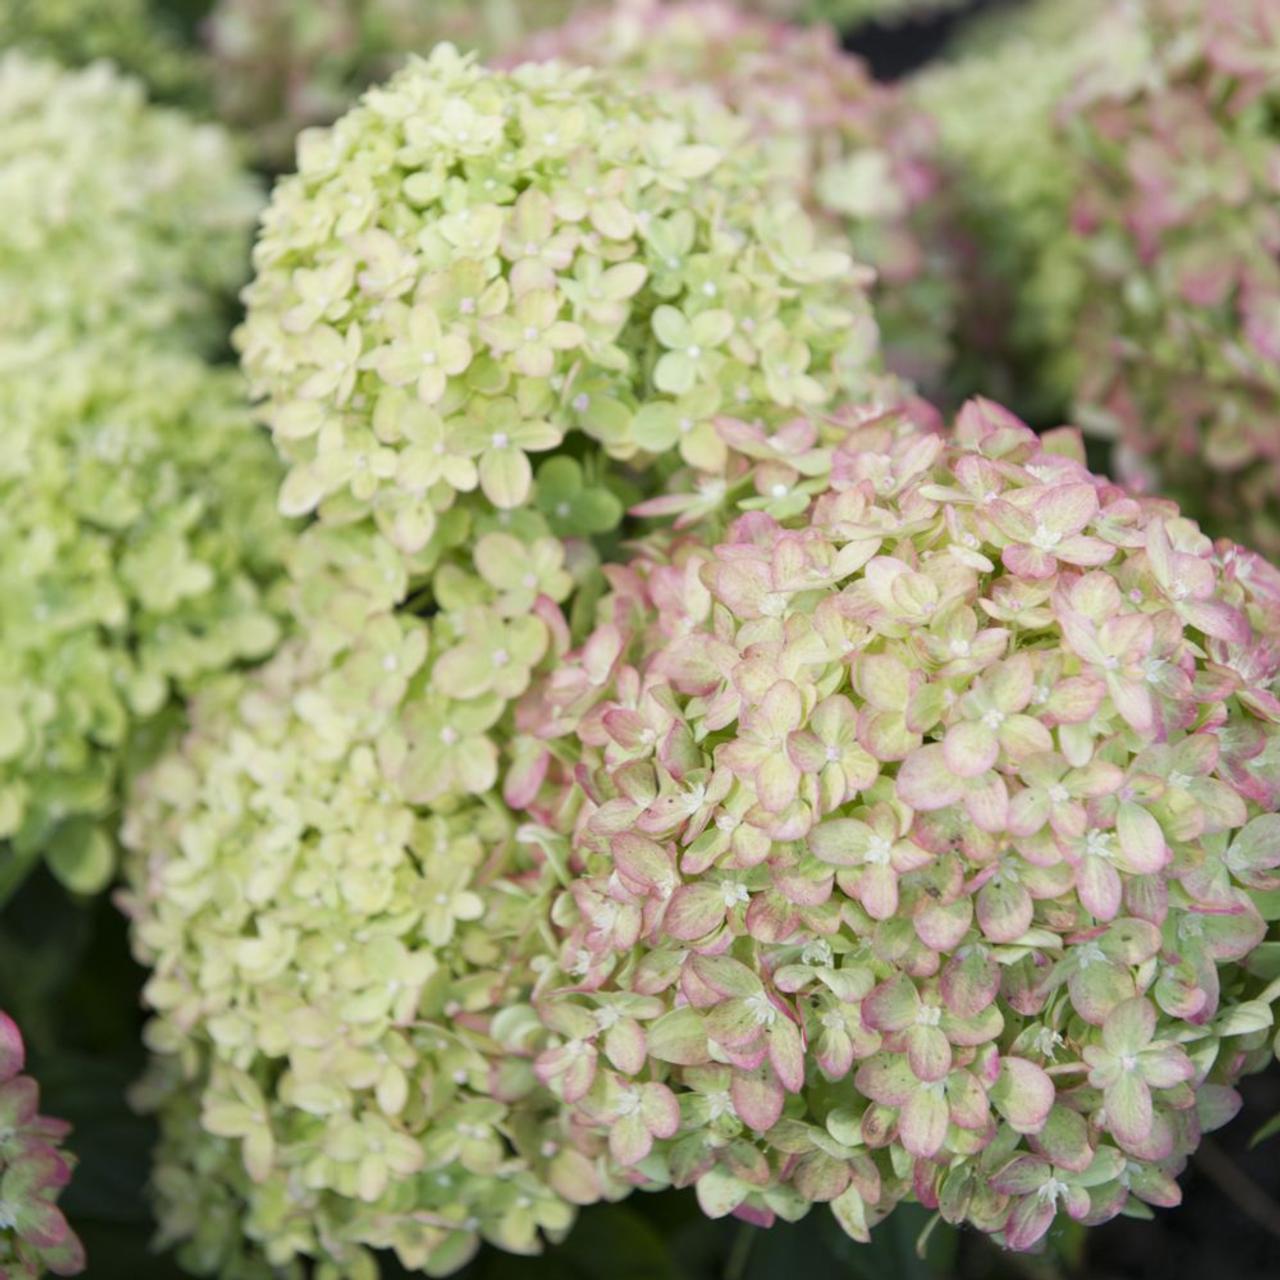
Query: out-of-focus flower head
pixel 858 154
pixel 131 33
pixel 34 1236
pixel 283 65
pixel 120 219
pixel 1177 216
pixel 138 541
pixel 912 842
pixel 1012 181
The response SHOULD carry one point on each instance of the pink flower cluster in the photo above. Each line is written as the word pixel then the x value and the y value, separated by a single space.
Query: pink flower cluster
pixel 1180 233
pixel 34 1236
pixel 910 841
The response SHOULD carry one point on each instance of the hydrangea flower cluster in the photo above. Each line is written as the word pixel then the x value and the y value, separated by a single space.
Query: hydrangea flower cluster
pixel 471 266
pixel 133 34
pixel 340 978
pixel 911 844
pixel 1012 179
pixel 138 539
pixel 283 65
pixel 120 218
pixel 858 154
pixel 1179 330
pixel 34 1236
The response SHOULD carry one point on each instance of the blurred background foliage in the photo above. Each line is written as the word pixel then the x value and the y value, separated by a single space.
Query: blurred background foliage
pixel 67 977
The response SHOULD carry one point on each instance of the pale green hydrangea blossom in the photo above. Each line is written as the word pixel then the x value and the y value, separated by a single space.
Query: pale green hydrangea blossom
pixel 120 219
pixel 858 153
pixel 339 980
pixel 138 539
pixel 469 267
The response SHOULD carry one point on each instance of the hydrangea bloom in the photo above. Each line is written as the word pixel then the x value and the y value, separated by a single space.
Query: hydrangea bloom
pixel 1179 330
pixel 131 33
pixel 120 218
pixel 470 266
pixel 912 843
pixel 282 65
pixel 857 153
pixel 1013 179
pixel 137 534
pixel 339 979
pixel 34 1236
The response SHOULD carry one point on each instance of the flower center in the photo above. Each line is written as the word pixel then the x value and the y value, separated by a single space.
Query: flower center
pixel 1098 844
pixel 1044 538
pixel 879 851
pixel 1053 1191
pixel 719 1104
pixel 762 1009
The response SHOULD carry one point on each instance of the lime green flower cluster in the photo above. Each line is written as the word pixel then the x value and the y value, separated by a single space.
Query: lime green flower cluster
pixel 282 65
pixel 137 526
pixel 120 219
pixel 343 974
pixel 470 267
pixel 131 33
pixel 858 154
pixel 1014 178
pixel 1180 236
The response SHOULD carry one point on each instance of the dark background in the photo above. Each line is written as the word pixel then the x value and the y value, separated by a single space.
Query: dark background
pixel 66 975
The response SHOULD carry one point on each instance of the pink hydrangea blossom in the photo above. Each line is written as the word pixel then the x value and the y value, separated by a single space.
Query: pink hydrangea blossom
pixel 913 838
